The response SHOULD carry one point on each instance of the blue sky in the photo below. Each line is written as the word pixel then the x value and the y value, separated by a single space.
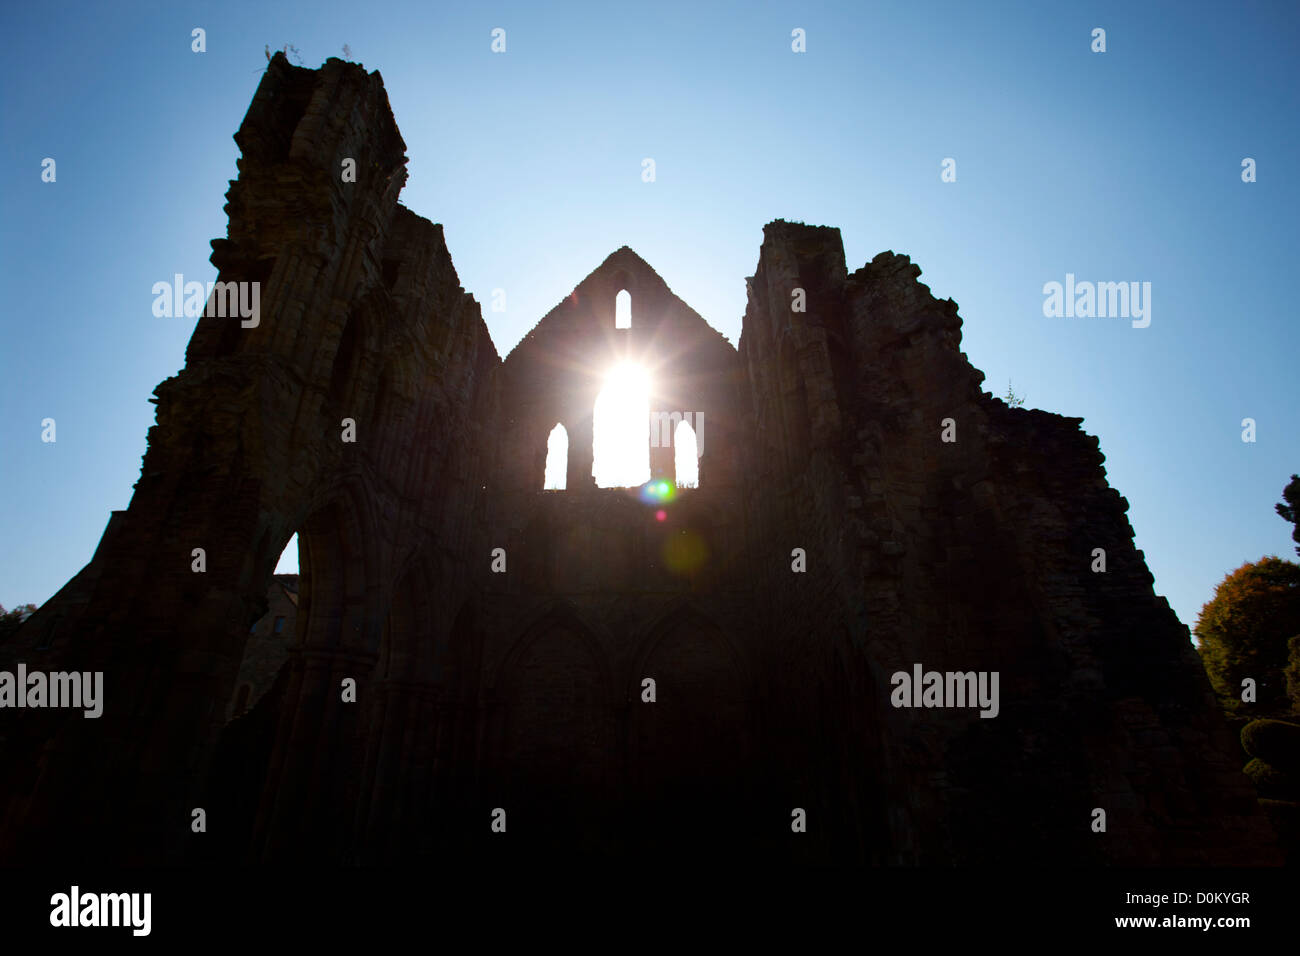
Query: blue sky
pixel 1121 166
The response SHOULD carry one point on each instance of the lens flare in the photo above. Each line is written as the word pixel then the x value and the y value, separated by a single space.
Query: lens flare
pixel 658 492
pixel 685 552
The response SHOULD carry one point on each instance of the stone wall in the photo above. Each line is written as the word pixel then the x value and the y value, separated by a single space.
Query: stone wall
pixel 977 554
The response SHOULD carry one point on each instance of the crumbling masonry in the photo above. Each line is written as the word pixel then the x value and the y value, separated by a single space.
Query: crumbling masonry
pixel 523 690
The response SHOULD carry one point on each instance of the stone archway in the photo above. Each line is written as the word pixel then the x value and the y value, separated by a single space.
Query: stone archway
pixel 554 760
pixel 306 797
pixel 692 749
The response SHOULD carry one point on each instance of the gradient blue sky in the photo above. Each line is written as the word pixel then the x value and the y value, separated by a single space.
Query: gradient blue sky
pixel 1118 166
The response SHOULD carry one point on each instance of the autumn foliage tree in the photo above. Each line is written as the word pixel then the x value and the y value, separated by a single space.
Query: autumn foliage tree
pixel 1245 628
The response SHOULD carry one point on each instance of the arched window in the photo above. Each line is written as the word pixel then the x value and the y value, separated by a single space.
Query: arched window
pixel 686 456
pixel 620 453
pixel 623 310
pixel 557 460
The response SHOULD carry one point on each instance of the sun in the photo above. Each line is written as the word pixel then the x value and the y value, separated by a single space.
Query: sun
pixel 629 377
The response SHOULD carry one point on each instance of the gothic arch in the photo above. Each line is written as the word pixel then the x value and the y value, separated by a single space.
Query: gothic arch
pixel 552 731
pixel 686 456
pixel 560 614
pixel 339 572
pixel 694 749
pixel 623 309
pixel 685 614
pixel 555 472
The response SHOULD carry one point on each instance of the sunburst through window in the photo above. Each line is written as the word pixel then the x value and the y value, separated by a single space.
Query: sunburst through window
pixel 621 429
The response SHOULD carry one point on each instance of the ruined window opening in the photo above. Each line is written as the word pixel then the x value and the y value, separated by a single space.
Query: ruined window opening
pixel 686 456
pixel 557 460
pixel 620 451
pixel 288 562
pixel 623 310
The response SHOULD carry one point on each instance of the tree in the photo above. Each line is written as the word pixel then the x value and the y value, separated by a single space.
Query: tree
pixel 1244 630
pixel 9 620
pixel 1292 672
pixel 1291 510
pixel 1011 398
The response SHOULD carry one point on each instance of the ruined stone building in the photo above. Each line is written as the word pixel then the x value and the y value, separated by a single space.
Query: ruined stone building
pixel 862 507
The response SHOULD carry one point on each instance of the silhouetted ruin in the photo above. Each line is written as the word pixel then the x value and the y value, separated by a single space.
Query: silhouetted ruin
pixel 863 510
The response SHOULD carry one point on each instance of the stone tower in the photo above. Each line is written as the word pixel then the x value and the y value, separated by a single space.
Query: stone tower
pixel 863 508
